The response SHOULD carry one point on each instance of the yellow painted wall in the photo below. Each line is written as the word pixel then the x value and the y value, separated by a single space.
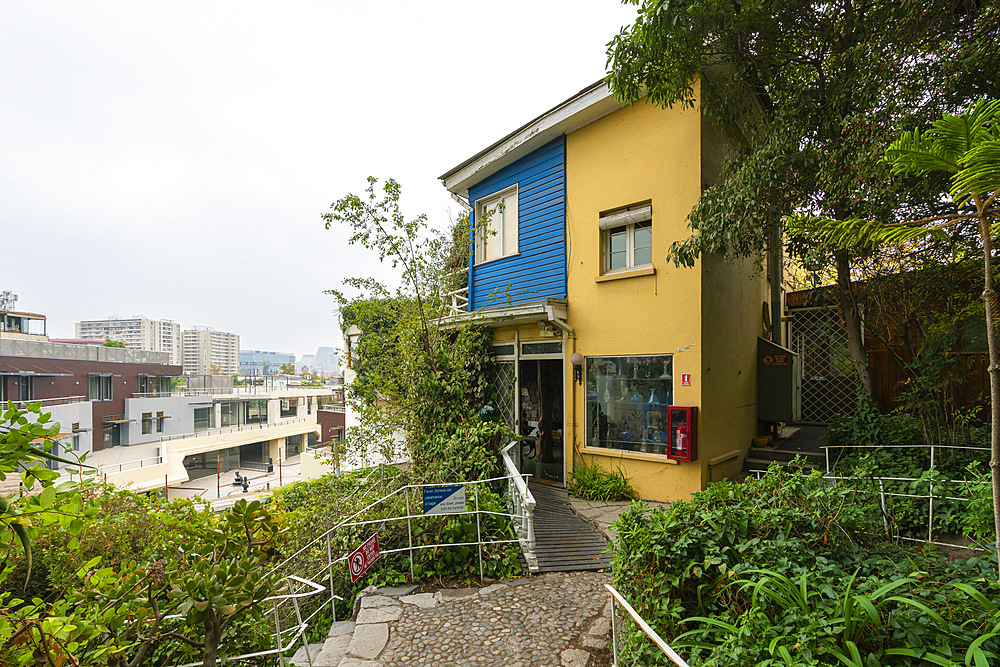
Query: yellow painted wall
pixel 636 154
pixel 733 294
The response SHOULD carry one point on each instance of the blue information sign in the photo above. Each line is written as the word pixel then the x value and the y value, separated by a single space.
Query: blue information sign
pixel 444 499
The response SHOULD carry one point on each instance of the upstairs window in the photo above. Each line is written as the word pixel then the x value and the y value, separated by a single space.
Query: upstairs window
pixel 627 238
pixel 496 226
pixel 100 387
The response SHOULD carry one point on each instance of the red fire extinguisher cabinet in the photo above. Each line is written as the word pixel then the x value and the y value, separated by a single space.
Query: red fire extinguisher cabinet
pixel 683 433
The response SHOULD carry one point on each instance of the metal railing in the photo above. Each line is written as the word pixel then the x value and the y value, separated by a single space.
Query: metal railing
pixel 130 465
pixel 233 429
pixel 295 632
pixel 616 597
pixel 522 504
pixel 321 567
pixel 459 300
pixel 49 350
pixel 930 496
pixel 275 392
pixel 45 402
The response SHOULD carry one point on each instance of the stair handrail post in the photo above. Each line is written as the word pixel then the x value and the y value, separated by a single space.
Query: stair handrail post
pixel 302 630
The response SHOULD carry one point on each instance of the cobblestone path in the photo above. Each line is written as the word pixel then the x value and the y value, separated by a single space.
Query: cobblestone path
pixel 558 619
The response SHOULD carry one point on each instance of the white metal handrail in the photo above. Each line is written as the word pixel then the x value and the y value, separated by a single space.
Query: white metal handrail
pixel 523 505
pixel 322 567
pixel 408 517
pixel 224 430
pixel 43 402
pixel 298 629
pixel 883 493
pixel 643 625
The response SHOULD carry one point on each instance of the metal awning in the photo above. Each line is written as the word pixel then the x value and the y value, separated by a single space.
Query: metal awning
pixel 25 367
pixel 118 421
pixel 549 310
pixel 37 441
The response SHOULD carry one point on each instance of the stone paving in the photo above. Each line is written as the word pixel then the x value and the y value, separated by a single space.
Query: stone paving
pixel 557 619
pixel 602 514
pixel 561 619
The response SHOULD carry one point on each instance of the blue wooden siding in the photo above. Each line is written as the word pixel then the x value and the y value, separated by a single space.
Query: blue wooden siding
pixel 538 271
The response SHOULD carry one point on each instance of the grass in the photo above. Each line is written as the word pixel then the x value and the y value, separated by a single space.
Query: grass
pixel 590 482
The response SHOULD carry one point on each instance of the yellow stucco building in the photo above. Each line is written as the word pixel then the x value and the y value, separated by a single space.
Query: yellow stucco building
pixel 574 214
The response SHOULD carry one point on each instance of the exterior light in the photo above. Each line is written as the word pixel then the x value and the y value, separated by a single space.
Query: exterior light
pixel 577 360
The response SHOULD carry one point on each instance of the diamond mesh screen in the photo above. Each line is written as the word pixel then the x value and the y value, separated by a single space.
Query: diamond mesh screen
pixel 503 388
pixel 828 379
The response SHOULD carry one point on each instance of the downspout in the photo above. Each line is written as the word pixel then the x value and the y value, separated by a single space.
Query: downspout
pixel 566 329
pixel 775 261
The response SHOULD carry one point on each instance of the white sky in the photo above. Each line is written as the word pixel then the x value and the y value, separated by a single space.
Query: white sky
pixel 172 159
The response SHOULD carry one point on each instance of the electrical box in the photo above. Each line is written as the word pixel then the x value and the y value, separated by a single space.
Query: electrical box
pixel 779 383
pixel 683 429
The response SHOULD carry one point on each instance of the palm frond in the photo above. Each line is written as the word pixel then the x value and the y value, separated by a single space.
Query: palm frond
pixel 857 232
pixel 980 172
pixel 919 153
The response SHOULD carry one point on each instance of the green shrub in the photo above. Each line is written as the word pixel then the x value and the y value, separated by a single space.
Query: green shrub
pixel 590 482
pixel 788 570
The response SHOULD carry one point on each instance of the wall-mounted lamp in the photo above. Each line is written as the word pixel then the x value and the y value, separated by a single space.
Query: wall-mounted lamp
pixel 577 360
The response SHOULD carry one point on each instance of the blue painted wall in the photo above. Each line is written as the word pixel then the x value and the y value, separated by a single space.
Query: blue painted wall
pixel 539 270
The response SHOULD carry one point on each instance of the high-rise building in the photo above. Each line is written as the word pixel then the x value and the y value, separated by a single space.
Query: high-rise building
pixel 206 351
pixel 259 362
pixel 136 332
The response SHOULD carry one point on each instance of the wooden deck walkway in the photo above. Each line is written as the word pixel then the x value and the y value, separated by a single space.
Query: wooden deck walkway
pixel 563 541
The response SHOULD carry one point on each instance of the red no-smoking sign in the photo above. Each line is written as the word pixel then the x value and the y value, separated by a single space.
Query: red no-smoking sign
pixel 362 558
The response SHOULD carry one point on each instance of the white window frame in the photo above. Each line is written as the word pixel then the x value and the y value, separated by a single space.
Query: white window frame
pixel 504 223
pixel 628 217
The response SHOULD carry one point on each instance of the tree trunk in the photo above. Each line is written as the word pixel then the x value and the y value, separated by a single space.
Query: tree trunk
pixel 989 300
pixel 212 636
pixel 852 321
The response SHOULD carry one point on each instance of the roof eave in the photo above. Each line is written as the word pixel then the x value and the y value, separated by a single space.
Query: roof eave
pixel 590 104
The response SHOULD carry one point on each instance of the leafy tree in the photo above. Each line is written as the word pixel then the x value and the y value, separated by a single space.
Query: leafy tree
pixel 25 447
pixel 413 375
pixel 812 89
pixel 287 369
pixel 966 146
pixel 112 343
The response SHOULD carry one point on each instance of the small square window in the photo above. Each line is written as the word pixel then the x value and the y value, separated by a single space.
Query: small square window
pixel 627 238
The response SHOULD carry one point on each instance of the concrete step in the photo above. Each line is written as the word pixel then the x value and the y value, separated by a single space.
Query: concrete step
pixel 759 464
pixel 300 660
pixel 785 454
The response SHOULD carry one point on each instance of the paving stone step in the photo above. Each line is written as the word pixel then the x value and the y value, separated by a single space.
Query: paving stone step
pixel 763 464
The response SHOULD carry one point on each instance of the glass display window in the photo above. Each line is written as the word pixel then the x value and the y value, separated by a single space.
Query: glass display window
pixel 628 401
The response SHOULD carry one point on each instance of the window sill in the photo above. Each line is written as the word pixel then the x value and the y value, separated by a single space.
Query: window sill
pixel 624 454
pixel 626 273
pixel 496 259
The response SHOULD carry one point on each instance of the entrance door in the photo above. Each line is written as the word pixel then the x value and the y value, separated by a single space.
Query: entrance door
pixel 541 422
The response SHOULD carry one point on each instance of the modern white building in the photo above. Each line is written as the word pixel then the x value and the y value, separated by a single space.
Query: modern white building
pixel 136 332
pixel 205 351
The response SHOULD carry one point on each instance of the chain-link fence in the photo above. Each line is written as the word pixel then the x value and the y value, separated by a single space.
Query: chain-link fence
pixel 828 379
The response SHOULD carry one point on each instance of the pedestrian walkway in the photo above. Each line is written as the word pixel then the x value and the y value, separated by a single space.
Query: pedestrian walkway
pixel 221 493
pixel 556 619
pixel 563 541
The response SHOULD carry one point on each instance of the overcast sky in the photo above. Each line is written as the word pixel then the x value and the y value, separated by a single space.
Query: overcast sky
pixel 172 159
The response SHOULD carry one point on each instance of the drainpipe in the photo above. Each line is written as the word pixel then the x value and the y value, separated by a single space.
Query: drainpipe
pixel 774 266
pixel 567 329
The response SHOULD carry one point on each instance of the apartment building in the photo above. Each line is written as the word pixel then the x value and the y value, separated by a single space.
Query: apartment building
pixel 137 332
pixel 205 351
pixel 84 388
